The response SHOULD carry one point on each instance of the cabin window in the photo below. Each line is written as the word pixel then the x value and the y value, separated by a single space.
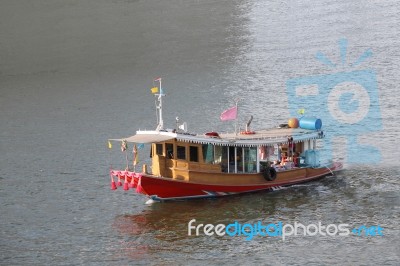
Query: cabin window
pixel 235 159
pixel 208 153
pixel 181 152
pixel 250 159
pixel 159 149
pixel 224 151
pixel 169 148
pixel 217 154
pixel 194 153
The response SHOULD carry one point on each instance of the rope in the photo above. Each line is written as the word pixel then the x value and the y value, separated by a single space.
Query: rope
pixel 329 170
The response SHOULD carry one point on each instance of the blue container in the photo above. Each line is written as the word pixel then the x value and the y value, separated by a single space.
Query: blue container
pixel 310 123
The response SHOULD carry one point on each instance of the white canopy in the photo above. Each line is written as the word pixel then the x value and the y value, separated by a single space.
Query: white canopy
pixel 149 137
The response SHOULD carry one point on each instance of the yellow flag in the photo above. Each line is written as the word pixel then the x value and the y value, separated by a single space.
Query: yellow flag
pixel 301 111
pixel 154 90
pixel 109 145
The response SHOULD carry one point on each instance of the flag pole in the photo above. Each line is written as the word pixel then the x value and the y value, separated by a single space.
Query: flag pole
pixel 237 111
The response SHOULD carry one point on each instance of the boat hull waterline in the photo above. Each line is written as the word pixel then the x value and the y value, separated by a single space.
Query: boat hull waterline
pixel 164 189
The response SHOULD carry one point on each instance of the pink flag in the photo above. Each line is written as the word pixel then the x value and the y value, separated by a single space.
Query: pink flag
pixel 229 114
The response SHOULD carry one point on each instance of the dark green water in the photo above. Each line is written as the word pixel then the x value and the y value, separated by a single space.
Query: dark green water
pixel 75 73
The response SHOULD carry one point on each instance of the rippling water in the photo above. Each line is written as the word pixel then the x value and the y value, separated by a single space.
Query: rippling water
pixel 75 73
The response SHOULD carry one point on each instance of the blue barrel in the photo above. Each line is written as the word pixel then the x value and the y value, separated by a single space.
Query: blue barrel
pixel 310 123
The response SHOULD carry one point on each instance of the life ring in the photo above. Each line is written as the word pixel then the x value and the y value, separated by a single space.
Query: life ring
pixel 247 133
pixel 269 173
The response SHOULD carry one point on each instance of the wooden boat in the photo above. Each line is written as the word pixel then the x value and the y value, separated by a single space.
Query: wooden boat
pixel 186 165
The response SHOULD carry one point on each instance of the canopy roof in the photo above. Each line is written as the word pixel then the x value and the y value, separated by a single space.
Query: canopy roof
pixel 149 137
pixel 262 137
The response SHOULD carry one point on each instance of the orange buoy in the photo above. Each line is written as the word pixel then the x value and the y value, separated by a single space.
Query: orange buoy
pixel 293 122
pixel 113 185
pixel 119 180
pixel 126 186
pixel 132 183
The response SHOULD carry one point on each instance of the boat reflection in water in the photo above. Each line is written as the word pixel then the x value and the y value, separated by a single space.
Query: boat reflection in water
pixel 164 227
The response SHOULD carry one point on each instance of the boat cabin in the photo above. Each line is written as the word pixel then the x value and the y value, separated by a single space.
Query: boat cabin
pixel 195 157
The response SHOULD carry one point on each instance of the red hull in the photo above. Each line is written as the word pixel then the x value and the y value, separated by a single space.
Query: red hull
pixel 160 188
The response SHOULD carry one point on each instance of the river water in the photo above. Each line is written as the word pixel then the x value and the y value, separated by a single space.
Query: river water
pixel 75 73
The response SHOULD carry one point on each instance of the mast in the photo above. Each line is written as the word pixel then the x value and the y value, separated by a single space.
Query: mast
pixel 159 96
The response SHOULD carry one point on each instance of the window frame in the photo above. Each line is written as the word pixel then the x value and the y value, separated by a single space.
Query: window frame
pixel 196 154
pixel 179 152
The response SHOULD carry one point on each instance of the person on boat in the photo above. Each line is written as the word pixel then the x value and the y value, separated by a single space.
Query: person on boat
pixel 284 157
pixel 296 159
pixel 277 165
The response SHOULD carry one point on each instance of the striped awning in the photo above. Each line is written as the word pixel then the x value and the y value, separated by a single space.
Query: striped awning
pixel 259 138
